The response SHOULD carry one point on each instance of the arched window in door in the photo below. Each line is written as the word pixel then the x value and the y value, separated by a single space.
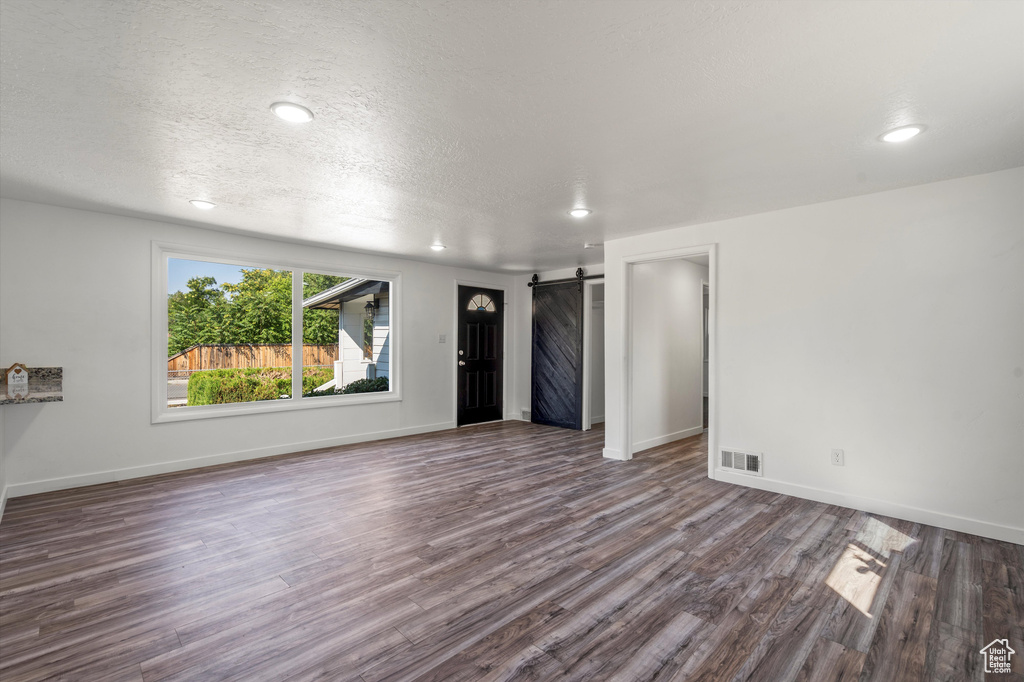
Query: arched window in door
pixel 481 303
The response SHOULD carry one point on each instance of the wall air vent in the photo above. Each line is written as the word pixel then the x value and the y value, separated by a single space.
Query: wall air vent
pixel 741 462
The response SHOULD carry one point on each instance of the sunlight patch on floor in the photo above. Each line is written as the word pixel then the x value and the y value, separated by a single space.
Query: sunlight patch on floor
pixel 858 572
pixel 856 577
pixel 881 539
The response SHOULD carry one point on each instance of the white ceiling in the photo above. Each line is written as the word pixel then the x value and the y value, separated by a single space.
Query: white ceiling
pixel 479 123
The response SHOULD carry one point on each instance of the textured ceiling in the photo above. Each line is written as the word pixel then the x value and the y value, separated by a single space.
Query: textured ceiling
pixel 479 123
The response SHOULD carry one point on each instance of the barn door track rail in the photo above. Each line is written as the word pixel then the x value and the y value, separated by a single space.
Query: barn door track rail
pixel 580 276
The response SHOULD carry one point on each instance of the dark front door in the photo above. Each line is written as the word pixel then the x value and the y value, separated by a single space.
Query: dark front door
pixel 557 368
pixel 481 327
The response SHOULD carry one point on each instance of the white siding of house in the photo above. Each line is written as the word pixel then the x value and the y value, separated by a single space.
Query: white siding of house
pixel 351 339
pixel 381 337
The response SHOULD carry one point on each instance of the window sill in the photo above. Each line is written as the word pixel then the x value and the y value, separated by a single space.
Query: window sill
pixel 178 414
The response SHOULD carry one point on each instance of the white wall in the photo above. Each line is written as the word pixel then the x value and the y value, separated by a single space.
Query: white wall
pixel 75 292
pixel 3 459
pixel 667 349
pixel 597 355
pixel 3 409
pixel 890 325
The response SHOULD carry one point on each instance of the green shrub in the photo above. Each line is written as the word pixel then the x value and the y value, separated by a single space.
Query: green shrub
pixel 220 386
pixel 315 376
pixel 367 385
pixel 357 386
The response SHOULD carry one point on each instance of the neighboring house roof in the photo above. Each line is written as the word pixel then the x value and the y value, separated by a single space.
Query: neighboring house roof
pixel 349 290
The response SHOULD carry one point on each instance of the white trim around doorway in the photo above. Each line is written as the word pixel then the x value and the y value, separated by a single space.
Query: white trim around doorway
pixel 588 369
pixel 626 394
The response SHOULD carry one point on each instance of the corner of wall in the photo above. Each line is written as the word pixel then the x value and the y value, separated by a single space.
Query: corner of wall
pixel 612 453
pixel 3 466
pixel 3 410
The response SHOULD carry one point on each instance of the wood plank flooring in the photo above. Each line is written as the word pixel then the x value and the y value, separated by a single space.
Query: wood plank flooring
pixel 504 551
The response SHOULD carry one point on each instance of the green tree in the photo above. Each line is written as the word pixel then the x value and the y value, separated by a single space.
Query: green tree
pixel 260 309
pixel 319 327
pixel 198 315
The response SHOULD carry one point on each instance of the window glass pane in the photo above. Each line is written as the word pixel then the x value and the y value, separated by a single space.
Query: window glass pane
pixel 481 303
pixel 346 335
pixel 228 333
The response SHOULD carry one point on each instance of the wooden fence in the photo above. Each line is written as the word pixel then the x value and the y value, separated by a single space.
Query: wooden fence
pixel 226 356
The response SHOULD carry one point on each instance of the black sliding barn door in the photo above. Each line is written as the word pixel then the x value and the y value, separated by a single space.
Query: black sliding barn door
pixel 481 322
pixel 557 372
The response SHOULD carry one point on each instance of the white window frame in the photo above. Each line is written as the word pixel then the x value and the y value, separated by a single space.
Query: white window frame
pixel 163 251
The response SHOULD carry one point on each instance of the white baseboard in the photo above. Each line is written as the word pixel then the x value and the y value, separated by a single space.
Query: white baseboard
pixel 3 501
pixel 612 453
pixel 49 485
pixel 597 420
pixel 667 438
pixel 875 506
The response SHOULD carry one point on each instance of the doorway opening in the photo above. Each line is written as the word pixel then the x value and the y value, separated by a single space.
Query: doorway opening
pixel 666 337
pixel 704 369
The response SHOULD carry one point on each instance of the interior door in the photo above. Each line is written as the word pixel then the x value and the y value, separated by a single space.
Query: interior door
pixel 480 359
pixel 557 368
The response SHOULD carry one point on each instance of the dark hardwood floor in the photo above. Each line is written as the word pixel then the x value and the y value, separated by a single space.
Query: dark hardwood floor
pixel 495 552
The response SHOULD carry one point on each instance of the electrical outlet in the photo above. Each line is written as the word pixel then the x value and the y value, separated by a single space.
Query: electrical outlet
pixel 838 457
pixel 442 338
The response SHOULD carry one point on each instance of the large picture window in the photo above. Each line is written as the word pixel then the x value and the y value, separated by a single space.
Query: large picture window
pixel 240 336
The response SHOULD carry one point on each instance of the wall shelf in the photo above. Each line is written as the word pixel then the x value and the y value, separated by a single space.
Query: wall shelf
pixel 45 385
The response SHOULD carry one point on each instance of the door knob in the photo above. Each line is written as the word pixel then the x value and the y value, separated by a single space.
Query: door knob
pixel 462 363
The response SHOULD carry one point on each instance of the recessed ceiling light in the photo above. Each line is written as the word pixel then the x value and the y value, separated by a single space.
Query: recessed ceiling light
pixel 202 205
pixel 902 134
pixel 580 212
pixel 438 247
pixel 293 113
pixel 589 245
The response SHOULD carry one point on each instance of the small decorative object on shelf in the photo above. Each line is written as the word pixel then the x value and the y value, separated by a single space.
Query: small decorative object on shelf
pixel 20 385
pixel 17 381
